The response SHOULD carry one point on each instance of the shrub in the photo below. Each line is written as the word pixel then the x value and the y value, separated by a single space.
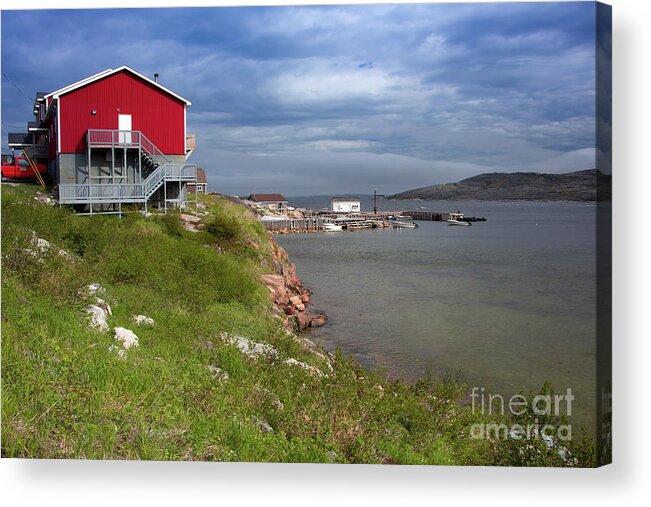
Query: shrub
pixel 172 225
pixel 224 228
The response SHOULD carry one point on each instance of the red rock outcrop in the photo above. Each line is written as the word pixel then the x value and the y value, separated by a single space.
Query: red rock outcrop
pixel 288 294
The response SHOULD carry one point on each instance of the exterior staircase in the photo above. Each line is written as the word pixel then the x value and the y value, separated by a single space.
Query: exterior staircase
pixel 158 167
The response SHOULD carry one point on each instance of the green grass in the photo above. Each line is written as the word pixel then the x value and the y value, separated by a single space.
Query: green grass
pixel 66 394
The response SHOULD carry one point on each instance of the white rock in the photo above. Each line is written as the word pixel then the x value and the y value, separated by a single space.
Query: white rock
pixel 91 290
pixel 189 218
pixel 44 198
pixel 264 426
pixel 249 347
pixel 43 246
pixel 304 342
pixel 97 318
pixel 122 354
pixel 307 367
pixel 142 319
pixel 266 393
pixel 218 373
pixel 126 337
pixel 104 306
pixel 190 227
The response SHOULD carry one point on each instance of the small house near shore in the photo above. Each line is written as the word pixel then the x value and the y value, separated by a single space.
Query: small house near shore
pixel 275 202
pixel 202 183
pixel 345 204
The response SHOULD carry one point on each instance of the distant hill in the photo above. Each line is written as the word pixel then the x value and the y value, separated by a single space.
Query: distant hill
pixel 574 186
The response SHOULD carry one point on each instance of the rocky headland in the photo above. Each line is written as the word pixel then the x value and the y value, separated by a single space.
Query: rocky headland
pixel 588 185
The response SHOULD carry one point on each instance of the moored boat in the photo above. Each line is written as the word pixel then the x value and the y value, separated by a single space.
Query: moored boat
pixel 462 223
pixel 408 225
pixel 332 227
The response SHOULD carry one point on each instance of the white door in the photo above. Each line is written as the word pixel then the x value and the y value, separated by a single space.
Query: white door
pixel 124 123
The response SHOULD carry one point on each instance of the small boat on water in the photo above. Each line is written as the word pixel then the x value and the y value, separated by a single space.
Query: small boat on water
pixel 407 225
pixel 332 228
pixel 462 223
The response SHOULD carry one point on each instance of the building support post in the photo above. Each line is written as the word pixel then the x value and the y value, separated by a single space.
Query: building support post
pixel 124 161
pixel 140 162
pixel 88 165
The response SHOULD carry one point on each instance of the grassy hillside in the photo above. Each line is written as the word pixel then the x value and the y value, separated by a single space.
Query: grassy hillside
pixel 187 392
pixel 588 185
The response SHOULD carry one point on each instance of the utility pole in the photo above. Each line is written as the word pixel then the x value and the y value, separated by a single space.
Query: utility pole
pixel 375 201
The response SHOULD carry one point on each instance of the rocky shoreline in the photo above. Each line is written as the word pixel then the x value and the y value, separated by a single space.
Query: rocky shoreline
pixel 290 298
pixel 286 290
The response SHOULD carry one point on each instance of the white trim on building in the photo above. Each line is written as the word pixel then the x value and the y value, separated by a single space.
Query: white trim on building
pixel 108 72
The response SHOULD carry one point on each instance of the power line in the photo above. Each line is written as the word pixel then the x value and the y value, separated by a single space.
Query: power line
pixel 31 100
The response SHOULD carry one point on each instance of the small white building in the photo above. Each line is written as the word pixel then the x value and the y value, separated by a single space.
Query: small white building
pixel 345 205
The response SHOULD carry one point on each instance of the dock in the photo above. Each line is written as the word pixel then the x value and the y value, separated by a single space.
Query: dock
pixel 294 225
pixel 433 216
pixel 313 220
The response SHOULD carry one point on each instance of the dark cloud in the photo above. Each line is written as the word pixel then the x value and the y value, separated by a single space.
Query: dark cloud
pixel 340 98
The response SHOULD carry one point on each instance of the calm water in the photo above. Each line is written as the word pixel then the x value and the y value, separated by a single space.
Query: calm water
pixel 507 304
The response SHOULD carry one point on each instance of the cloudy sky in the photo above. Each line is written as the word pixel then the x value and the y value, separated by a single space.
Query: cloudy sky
pixel 319 100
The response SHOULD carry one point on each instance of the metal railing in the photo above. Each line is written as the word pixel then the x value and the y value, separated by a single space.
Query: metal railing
pixel 104 193
pixel 165 170
pixel 154 181
pixel 37 150
pixel 102 138
pixel 98 138
pixel 79 193
pixel 180 172
pixel 151 149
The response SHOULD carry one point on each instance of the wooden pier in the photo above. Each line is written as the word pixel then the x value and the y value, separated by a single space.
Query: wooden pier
pixel 433 216
pixel 314 220
pixel 294 225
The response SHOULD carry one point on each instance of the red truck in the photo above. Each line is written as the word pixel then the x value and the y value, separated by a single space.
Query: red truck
pixel 17 168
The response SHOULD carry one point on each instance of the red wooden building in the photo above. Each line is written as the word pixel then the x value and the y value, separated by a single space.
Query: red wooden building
pixel 113 138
